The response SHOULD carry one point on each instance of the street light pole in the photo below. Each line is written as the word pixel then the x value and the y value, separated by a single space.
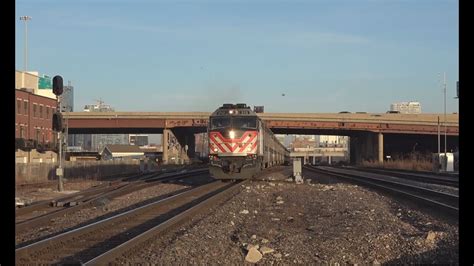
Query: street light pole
pixel 439 145
pixel 445 128
pixel 26 18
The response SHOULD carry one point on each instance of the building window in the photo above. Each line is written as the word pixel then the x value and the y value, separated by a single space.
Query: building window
pixel 34 109
pixel 25 105
pixel 22 132
pixel 47 112
pixel 18 106
pixel 41 111
pixel 37 135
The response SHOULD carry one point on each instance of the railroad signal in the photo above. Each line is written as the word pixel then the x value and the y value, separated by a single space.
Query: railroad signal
pixel 57 122
pixel 58 85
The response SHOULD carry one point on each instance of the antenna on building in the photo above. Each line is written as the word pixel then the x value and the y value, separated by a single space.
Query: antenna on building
pixel 99 101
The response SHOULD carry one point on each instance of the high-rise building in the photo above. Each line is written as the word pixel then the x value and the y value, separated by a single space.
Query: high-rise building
pixel 66 104
pixel 67 99
pixel 406 107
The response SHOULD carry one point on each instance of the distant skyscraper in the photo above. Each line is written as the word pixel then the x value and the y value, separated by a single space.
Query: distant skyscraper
pixel 67 99
pixel 66 104
pixel 406 107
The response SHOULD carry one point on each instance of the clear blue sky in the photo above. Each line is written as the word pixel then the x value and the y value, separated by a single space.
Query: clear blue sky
pixel 324 55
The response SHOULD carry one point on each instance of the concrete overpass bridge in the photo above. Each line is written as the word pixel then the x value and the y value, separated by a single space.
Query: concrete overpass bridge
pixel 371 135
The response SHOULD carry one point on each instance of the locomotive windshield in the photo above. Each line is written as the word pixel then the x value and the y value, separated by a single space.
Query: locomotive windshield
pixel 244 122
pixel 234 122
pixel 220 122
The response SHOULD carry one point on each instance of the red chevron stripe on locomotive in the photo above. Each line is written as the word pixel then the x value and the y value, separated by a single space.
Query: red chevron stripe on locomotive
pixel 228 145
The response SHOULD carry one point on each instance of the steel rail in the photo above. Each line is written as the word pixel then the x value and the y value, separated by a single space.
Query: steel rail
pixel 110 193
pixel 92 236
pixel 424 177
pixel 446 201
pixel 161 229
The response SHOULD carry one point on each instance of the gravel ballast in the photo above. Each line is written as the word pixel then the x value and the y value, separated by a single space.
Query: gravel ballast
pixel 285 223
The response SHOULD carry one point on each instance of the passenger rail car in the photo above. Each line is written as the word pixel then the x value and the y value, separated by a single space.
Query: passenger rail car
pixel 240 145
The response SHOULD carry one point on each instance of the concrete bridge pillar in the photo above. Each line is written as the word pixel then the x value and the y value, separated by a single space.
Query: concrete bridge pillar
pixel 366 147
pixel 370 147
pixel 186 145
pixel 165 145
pixel 380 146
pixel 178 146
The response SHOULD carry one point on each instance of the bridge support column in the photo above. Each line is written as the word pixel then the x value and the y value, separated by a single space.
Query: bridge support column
pixel 380 146
pixel 165 145
pixel 353 150
pixel 186 144
pixel 370 147
pixel 363 147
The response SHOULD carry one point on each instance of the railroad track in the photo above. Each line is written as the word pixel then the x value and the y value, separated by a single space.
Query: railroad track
pixel 103 241
pixel 44 207
pixel 43 212
pixel 423 177
pixel 448 202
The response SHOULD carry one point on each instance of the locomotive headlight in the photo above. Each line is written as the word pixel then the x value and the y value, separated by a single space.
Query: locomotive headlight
pixel 249 148
pixel 215 149
pixel 232 134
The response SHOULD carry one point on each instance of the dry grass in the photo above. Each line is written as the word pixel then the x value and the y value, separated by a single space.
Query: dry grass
pixel 406 164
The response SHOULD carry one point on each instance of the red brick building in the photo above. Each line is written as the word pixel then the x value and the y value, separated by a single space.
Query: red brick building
pixel 33 120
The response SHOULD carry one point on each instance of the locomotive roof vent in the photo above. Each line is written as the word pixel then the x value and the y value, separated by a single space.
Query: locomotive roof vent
pixel 227 106
pixel 241 105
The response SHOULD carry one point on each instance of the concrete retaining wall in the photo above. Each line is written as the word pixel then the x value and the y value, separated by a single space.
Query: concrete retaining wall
pixel 41 172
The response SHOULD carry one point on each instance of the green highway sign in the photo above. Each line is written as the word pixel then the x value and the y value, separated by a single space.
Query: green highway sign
pixel 44 83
